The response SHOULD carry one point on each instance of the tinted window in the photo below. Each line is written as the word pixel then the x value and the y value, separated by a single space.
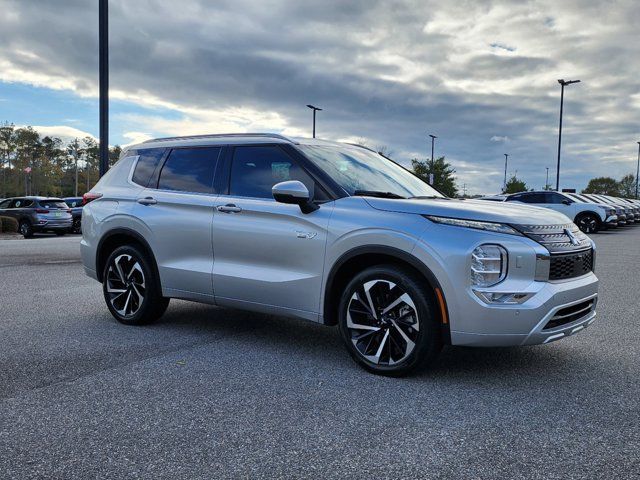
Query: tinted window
pixel 528 198
pixel 17 203
pixel 73 202
pixel 5 203
pixel 147 163
pixel 189 170
pixel 554 197
pixel 53 203
pixel 256 169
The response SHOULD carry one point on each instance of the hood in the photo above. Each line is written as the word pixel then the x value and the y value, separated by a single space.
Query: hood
pixel 481 210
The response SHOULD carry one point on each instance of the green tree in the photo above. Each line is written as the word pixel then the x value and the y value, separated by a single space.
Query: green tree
pixel 515 185
pixel 603 186
pixel 443 174
pixel 627 186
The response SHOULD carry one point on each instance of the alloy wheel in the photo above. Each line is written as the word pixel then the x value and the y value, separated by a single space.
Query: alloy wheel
pixel 588 224
pixel 383 321
pixel 126 285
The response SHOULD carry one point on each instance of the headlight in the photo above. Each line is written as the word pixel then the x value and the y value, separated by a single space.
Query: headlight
pixel 459 222
pixel 488 265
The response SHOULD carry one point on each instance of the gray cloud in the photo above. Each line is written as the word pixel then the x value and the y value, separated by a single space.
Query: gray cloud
pixel 388 71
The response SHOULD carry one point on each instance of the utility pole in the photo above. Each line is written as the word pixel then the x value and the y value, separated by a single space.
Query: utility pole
pixel 315 109
pixel 103 40
pixel 562 83
pixel 506 161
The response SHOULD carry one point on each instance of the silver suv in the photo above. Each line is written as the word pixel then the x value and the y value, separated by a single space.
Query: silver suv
pixel 335 234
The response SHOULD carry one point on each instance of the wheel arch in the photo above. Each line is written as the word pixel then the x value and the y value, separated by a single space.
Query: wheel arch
pixel 359 258
pixel 117 237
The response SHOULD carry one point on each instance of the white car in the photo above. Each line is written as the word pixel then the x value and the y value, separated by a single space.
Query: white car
pixel 589 217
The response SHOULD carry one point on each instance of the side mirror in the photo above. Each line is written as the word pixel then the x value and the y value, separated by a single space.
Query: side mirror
pixel 567 201
pixel 294 192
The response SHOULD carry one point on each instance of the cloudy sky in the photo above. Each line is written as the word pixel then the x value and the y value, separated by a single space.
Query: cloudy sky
pixel 481 75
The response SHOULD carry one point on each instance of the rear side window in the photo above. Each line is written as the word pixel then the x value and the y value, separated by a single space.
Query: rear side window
pixel 73 202
pixel 147 163
pixel 189 170
pixel 53 203
pixel 256 169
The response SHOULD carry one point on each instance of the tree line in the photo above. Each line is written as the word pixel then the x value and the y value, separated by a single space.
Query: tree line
pixel 31 164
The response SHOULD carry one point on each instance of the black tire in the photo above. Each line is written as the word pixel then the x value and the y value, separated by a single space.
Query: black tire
pixel 588 223
pixel 142 282
pixel 394 327
pixel 77 226
pixel 60 233
pixel 25 229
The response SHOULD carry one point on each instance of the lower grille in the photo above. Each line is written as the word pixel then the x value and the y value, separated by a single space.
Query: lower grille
pixel 571 265
pixel 570 314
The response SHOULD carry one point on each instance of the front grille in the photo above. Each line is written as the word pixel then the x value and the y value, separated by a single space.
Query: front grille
pixel 557 238
pixel 570 314
pixel 571 265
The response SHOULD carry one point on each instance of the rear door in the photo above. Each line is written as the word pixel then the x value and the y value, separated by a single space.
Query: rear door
pixel 178 210
pixel 265 252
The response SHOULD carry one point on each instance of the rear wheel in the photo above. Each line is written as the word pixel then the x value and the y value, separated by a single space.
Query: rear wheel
pixel 588 222
pixel 26 229
pixel 131 288
pixel 76 228
pixel 388 321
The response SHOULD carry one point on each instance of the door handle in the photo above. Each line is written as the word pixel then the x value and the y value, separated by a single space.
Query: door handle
pixel 147 201
pixel 229 208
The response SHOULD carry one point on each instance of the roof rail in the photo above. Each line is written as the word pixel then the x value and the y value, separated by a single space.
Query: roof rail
pixel 220 135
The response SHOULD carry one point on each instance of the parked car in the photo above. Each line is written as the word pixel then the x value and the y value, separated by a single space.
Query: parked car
pixel 76 204
pixel 38 214
pixel 612 210
pixel 589 217
pixel 624 213
pixel 335 234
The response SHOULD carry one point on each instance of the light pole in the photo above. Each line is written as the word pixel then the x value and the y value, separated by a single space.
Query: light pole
pixel 433 138
pixel 506 160
pixel 315 109
pixel 638 170
pixel 103 48
pixel 546 185
pixel 562 83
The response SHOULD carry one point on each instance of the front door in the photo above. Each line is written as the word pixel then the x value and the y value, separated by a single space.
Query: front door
pixel 265 252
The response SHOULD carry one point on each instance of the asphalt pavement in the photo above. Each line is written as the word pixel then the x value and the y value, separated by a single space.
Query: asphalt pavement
pixel 215 393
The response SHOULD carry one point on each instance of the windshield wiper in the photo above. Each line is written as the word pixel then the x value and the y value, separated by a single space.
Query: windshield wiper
pixel 426 197
pixel 376 193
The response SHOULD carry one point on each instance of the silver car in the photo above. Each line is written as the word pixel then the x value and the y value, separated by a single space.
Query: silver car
pixel 335 234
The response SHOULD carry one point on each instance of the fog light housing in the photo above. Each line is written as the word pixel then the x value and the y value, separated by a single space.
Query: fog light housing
pixel 488 265
pixel 503 298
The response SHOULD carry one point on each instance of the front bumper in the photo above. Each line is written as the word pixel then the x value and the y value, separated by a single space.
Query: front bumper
pixel 569 304
pixel 611 221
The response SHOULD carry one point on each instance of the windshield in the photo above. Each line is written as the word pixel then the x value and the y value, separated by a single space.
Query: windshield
pixel 361 171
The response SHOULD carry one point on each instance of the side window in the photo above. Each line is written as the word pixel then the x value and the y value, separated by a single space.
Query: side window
pixel 189 170
pixel 27 203
pixel 5 203
pixel 17 203
pixel 256 169
pixel 147 163
pixel 551 197
pixel 516 198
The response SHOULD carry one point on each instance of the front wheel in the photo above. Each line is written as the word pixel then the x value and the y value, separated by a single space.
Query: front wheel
pixel 131 288
pixel 388 321
pixel 588 223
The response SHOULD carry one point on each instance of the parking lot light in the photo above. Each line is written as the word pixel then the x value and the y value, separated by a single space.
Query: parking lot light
pixel 562 83
pixel 315 109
